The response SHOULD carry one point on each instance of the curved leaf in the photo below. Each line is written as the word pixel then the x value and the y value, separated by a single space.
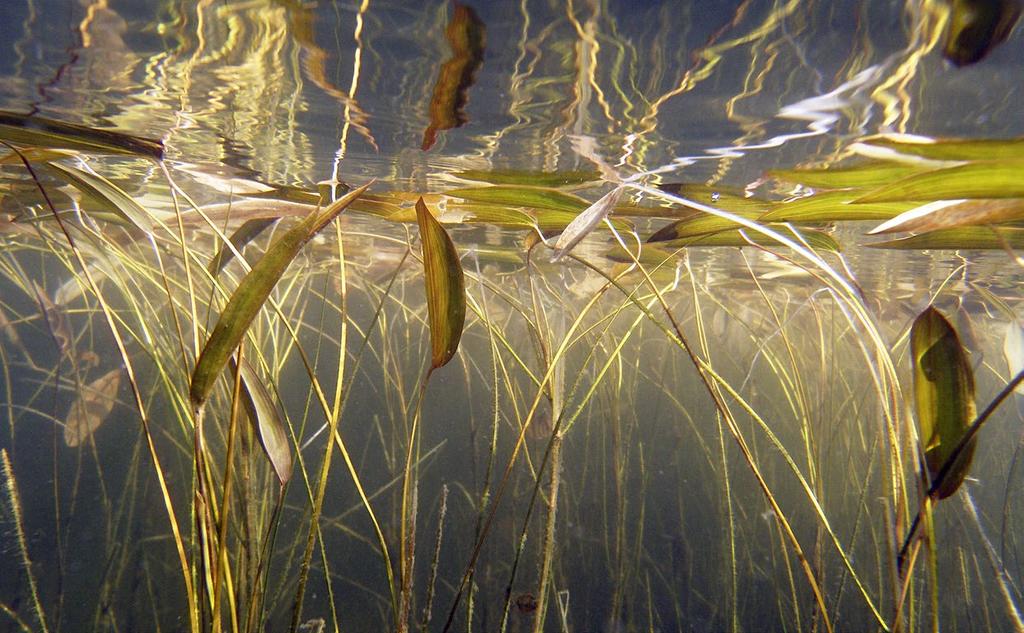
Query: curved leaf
pixel 834 206
pixel 964 238
pixel 91 408
pixel 108 194
pixel 446 291
pixel 521 196
pixel 995 179
pixel 869 174
pixel 39 131
pixel 266 421
pixel 943 395
pixel 252 293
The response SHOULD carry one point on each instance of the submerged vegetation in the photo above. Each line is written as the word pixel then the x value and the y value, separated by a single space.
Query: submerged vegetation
pixel 595 398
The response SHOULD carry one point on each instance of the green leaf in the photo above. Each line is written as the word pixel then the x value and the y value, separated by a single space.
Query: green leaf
pixel 702 225
pixel 107 194
pixel 990 179
pixel 949 149
pixel 964 238
pixel 38 131
pixel 870 174
pixel 946 214
pixel 834 206
pixel 746 237
pixel 521 196
pixel 943 396
pixel 446 291
pixel 728 199
pixel 530 178
pixel 252 293
pixel 246 233
pixel 266 421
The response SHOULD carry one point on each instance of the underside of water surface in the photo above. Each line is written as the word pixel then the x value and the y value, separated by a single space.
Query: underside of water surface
pixel 583 316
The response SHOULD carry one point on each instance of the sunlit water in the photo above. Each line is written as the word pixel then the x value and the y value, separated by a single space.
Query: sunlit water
pixel 663 521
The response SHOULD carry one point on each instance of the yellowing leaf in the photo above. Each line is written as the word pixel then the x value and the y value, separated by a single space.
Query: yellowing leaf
pixel 91 408
pixel 446 291
pixel 869 174
pixel 963 238
pixel 946 214
pixel 522 196
pixel 943 395
pixel 986 179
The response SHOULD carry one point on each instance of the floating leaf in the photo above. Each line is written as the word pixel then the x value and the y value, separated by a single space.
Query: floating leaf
pixel 266 420
pixel 976 27
pixel 951 149
pixel 746 237
pixel 989 179
pixel 964 238
pixel 943 395
pixel 946 214
pixel 584 223
pixel 252 293
pixel 521 196
pixel 1013 350
pixel 42 132
pixel 701 225
pixel 834 206
pixel 112 197
pixel 246 233
pixel 91 408
pixel 529 178
pixel 870 174
pixel 446 291
pixel 465 34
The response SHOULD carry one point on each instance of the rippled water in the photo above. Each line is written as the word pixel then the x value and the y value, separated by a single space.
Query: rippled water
pixel 767 490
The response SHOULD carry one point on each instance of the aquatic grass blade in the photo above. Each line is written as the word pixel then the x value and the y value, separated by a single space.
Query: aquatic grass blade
pixel 868 174
pixel 250 230
pixel 700 225
pixel 584 223
pixel 833 206
pixel 92 407
pixel 38 131
pixel 983 179
pixel 943 396
pixel 108 194
pixel 522 196
pixel 746 237
pixel 252 293
pixel 267 421
pixel 901 147
pixel 529 178
pixel 946 214
pixel 446 291
pixel 963 238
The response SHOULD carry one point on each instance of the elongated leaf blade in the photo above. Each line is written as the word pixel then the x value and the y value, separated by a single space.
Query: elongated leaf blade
pixel 246 233
pixel 703 224
pixel 947 214
pixel 252 293
pixel 834 206
pixel 108 194
pixel 92 407
pixel 38 131
pixel 446 290
pixel 943 395
pixel 267 421
pixel 869 174
pixel 949 149
pixel 963 238
pixel 529 178
pixel 746 237
pixel 986 179
pixel 466 36
pixel 584 223
pixel 522 196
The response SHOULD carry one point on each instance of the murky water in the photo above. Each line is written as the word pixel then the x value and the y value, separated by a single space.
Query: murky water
pixel 709 438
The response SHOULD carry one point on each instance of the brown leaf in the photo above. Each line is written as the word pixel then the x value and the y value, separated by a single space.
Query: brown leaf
pixel 91 408
pixel 446 290
pixel 465 34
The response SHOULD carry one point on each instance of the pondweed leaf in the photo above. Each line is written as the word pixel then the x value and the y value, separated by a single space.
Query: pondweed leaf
pixel 728 199
pixel 91 408
pixel 466 35
pixel 529 178
pixel 446 290
pixel 585 222
pixel 869 174
pixel 833 206
pixel 522 196
pixel 984 179
pixel 943 395
pixel 963 238
pixel 266 421
pixel 703 224
pixel 951 149
pixel 38 131
pixel 246 233
pixel 252 293
pixel 107 194
pixel 746 237
pixel 947 214
pixel 976 27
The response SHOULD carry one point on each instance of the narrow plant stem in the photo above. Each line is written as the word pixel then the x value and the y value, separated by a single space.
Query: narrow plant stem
pixel 933 561
pixel 431 581
pixel 19 525
pixel 548 545
pixel 407 519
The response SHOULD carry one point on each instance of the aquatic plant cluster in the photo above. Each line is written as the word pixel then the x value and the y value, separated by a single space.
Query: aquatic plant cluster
pixel 594 398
